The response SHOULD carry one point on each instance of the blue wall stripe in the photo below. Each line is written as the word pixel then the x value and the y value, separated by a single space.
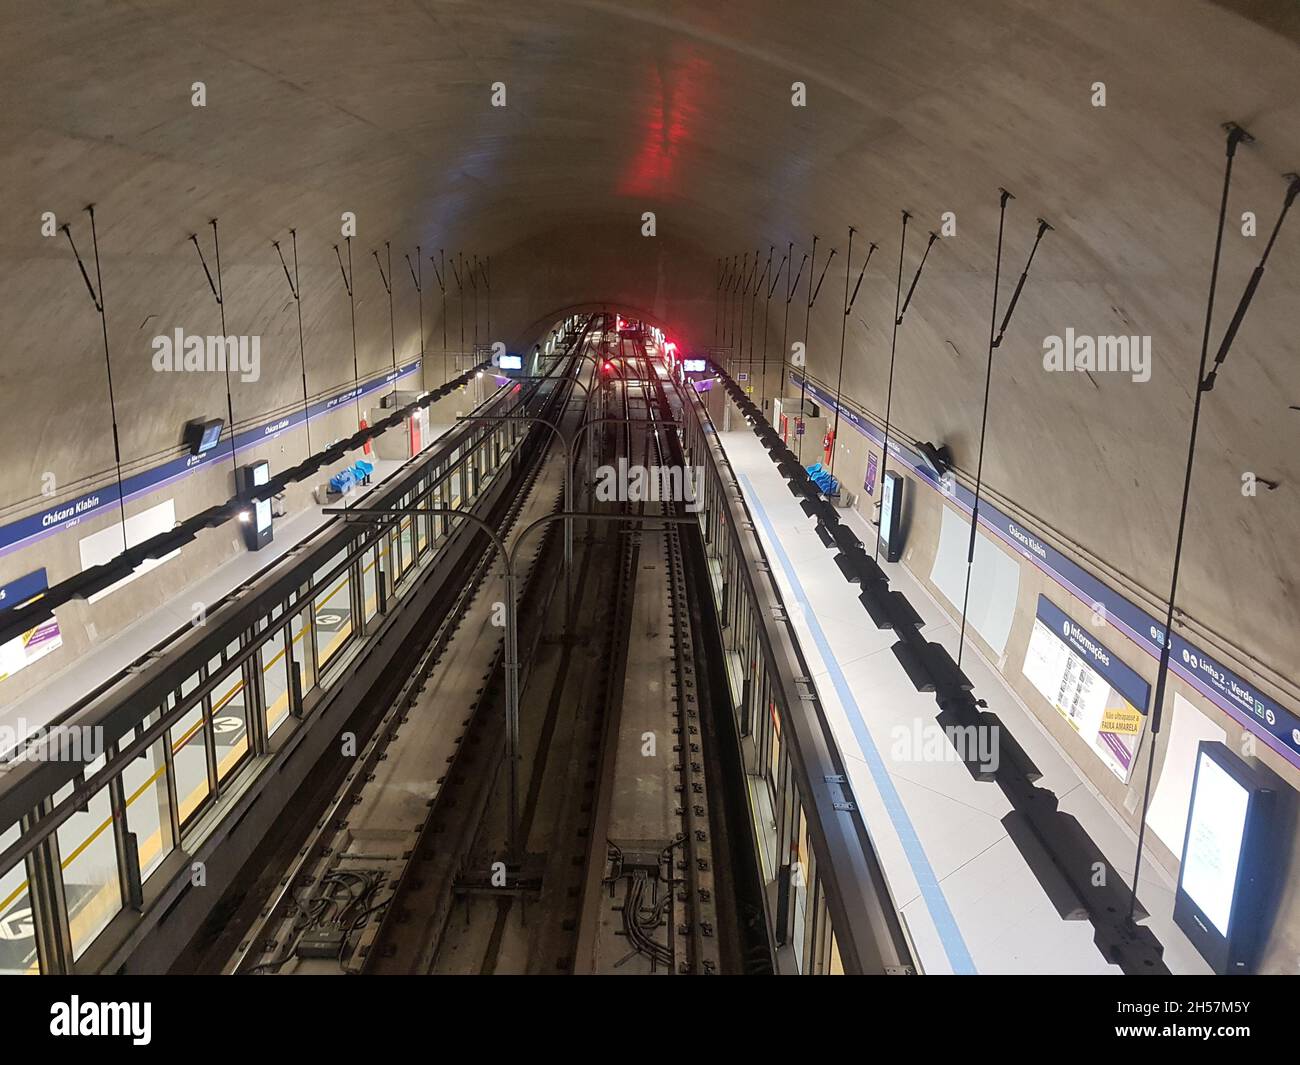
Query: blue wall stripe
pixel 1241 700
pixel 34 527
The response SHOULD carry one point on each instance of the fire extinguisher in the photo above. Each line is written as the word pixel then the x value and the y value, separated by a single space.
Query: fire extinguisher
pixel 366 446
pixel 828 445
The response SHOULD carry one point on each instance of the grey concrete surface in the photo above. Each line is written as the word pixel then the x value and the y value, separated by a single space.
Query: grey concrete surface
pixel 384 109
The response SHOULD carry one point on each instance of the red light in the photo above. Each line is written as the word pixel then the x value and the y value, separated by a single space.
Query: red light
pixel 608 367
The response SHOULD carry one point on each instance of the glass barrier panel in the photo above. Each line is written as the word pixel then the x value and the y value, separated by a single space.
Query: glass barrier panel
pixel 17 922
pixel 148 806
pixel 88 858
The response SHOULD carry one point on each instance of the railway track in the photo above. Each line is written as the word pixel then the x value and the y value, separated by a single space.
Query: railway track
pixel 614 869
pixel 341 887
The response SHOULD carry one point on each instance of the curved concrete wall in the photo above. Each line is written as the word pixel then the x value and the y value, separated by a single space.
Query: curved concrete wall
pixel 615 109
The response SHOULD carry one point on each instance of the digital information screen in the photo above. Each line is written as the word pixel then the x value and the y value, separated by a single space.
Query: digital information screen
pixel 211 434
pixel 891 508
pixel 258 532
pixel 1225 873
pixel 694 365
pixel 262 509
pixel 1216 832
pixel 512 362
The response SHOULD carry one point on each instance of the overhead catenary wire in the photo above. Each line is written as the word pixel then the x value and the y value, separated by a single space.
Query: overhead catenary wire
pixel 767 314
pixel 791 287
pixel 807 321
pixel 753 303
pixel 737 328
pixel 388 287
pixel 352 304
pixel 97 298
pixel 844 323
pixel 218 293
pixel 417 279
pixel 995 339
pixel 460 292
pixel 979 468
pixel 1236 136
pixel 440 273
pixel 473 284
pixel 718 298
pixel 899 314
pixel 295 289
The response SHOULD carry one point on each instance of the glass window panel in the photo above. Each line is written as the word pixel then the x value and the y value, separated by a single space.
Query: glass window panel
pixel 88 854
pixel 333 605
pixel 17 926
pixel 406 543
pixel 148 814
pixel 190 759
pixel 369 589
pixel 300 652
pixel 230 721
pixel 275 681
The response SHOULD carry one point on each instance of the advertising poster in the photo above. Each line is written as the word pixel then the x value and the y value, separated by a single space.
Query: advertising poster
pixel 1102 698
pixel 36 643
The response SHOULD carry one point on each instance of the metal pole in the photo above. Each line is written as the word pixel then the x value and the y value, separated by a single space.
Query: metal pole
pixel 984 420
pixel 567 445
pixel 1236 135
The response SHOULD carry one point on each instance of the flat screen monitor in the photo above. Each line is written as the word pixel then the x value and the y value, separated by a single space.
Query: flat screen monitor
pixel 201 435
pixel 891 509
pixel 1221 878
pixel 512 362
pixel 694 365
pixel 258 530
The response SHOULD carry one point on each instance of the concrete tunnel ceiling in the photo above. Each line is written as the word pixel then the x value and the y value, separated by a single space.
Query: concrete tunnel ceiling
pixel 614 109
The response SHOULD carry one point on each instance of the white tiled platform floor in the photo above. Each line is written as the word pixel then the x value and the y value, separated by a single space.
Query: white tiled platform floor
pixel 970 901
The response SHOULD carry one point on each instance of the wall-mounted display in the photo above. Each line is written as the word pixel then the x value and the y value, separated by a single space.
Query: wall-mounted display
pixel 1222 879
pixel 257 529
pixel 201 436
pixel 891 510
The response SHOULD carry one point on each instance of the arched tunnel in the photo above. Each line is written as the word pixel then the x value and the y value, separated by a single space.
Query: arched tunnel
pixel 1022 234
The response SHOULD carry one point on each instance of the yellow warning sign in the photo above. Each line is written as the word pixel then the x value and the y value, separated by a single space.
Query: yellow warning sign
pixel 1122 720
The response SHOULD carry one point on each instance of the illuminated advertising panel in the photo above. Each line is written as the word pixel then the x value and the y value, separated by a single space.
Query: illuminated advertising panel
pixel 891 509
pixel 1222 879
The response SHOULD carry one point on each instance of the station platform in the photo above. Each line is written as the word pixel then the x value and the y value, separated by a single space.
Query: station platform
pixel 970 901
pixel 78 677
